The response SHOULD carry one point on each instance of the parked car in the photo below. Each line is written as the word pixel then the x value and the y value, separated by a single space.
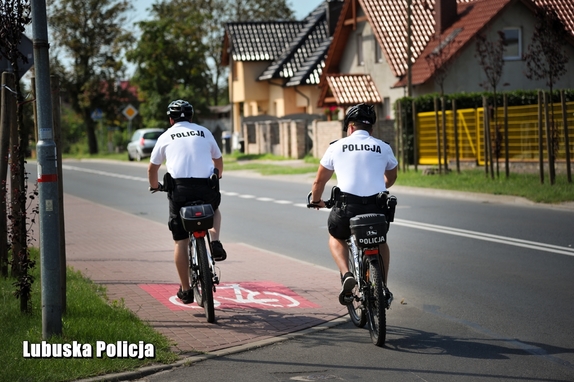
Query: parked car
pixel 142 143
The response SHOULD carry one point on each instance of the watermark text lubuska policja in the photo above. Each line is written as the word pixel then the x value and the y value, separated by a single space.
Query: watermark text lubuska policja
pixel 119 349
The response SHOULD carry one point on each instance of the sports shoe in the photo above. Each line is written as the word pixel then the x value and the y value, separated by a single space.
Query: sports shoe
pixel 346 295
pixel 219 253
pixel 185 296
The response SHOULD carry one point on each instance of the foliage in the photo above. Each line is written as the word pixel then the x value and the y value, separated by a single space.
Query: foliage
pixel 546 59
pixel 490 56
pixel 91 35
pixel 14 16
pixel 179 52
pixel 440 58
pixel 171 59
pixel 89 317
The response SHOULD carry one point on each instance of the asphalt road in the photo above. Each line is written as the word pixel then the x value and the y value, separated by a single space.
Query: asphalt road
pixel 484 287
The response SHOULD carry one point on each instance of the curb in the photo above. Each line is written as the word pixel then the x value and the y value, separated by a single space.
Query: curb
pixel 154 369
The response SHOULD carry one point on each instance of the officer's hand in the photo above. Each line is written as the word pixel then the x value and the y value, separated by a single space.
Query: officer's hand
pixel 159 188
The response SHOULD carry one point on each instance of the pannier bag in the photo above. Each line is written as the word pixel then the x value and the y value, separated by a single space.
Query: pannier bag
pixel 369 229
pixel 197 218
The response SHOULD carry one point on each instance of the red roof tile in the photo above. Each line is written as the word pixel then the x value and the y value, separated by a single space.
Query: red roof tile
pixel 351 89
pixel 473 16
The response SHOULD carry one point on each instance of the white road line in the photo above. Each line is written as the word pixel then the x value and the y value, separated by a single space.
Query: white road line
pixel 487 237
pixel 400 222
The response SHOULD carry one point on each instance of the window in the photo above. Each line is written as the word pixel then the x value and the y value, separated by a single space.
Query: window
pixel 360 57
pixel 378 52
pixel 512 43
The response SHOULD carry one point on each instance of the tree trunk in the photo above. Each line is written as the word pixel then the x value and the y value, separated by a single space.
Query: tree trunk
pixel 91 131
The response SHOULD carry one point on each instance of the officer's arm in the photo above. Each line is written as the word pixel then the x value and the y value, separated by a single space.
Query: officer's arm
pixel 323 176
pixel 218 163
pixel 391 176
pixel 152 171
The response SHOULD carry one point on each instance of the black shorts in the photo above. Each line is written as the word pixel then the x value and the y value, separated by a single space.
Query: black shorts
pixel 183 194
pixel 338 221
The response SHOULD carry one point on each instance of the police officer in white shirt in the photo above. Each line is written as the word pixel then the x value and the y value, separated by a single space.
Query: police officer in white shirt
pixel 191 156
pixel 365 166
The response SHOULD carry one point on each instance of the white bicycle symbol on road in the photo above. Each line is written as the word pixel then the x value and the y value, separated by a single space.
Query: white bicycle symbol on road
pixel 244 296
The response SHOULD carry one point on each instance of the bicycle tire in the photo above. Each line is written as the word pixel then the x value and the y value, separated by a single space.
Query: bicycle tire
pixel 203 289
pixel 356 308
pixel 375 302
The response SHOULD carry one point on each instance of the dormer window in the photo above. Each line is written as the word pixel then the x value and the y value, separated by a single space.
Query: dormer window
pixel 512 43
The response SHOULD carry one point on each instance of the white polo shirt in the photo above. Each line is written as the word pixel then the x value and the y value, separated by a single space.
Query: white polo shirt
pixel 188 150
pixel 360 162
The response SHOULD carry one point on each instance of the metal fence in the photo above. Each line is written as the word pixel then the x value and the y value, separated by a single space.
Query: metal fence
pixel 523 134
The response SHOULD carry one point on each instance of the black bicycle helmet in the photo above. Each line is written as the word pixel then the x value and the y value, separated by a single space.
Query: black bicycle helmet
pixel 180 110
pixel 362 113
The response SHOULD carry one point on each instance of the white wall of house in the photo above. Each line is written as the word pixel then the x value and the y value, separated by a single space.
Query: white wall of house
pixel 466 75
pixel 380 71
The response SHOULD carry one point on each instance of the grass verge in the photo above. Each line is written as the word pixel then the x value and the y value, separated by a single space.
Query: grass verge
pixel 89 318
pixel 524 185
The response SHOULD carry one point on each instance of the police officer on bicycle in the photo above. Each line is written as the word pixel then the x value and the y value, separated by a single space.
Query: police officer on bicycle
pixel 365 167
pixel 192 156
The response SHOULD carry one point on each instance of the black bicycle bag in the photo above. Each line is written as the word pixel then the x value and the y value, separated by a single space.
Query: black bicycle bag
pixel 370 230
pixel 197 217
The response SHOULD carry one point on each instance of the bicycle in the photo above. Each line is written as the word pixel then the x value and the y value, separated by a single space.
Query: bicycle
pixel 197 219
pixel 370 298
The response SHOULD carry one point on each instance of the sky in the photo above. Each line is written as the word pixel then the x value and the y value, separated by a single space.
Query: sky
pixel 301 7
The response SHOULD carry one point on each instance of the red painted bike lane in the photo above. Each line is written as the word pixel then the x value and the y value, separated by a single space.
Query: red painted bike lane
pixel 261 295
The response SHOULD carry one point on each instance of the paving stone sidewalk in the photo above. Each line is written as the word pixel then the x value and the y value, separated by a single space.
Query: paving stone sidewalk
pixel 262 295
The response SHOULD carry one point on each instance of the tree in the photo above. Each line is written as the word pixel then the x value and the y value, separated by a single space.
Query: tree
pixel 546 59
pixel 92 37
pixel 203 21
pixel 170 59
pixel 490 56
pixel 14 16
pixel 439 61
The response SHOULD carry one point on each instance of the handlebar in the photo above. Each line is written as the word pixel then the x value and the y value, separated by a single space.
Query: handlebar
pixel 328 203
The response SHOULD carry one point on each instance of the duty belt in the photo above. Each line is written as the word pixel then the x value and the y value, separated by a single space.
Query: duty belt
pixel 192 181
pixel 345 198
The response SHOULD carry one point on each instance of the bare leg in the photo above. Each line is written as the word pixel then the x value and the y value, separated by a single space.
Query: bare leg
pixel 214 232
pixel 182 263
pixel 340 252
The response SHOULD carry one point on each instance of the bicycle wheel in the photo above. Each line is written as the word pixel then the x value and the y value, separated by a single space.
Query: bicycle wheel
pixel 375 302
pixel 356 311
pixel 203 290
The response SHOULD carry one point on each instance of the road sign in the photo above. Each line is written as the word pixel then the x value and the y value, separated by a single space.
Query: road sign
pixel 97 114
pixel 27 49
pixel 130 112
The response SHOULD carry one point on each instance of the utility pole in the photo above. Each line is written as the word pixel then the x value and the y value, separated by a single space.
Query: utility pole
pixel 47 179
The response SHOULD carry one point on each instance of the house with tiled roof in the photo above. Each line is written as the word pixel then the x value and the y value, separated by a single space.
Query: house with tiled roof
pixel 275 66
pixel 367 61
